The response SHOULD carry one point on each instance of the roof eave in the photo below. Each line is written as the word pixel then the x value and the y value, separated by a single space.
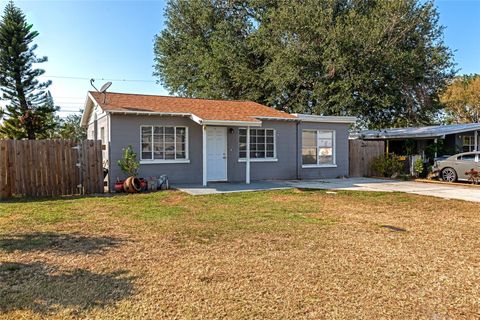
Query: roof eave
pixel 325 119
pixel 89 104
pixel 149 113
pixel 277 118
pixel 192 116
pixel 232 123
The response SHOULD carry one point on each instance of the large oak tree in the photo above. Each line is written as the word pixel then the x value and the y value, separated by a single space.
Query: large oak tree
pixel 383 61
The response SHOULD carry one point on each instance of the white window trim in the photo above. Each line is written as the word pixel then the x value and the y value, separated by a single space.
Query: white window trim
pixel 307 166
pixel 334 151
pixel 269 159
pixel 258 160
pixel 161 161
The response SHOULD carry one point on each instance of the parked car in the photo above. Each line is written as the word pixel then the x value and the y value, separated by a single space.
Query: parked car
pixel 457 167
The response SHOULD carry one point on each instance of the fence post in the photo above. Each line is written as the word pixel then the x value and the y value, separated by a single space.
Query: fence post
pixel 5 189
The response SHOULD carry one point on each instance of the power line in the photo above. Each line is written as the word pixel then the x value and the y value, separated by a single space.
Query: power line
pixel 67 97
pixel 103 79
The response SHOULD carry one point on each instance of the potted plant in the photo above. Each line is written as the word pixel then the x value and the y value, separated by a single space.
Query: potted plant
pixel 130 165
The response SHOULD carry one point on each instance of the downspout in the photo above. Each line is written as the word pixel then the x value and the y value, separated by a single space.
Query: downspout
pixel 247 162
pixel 204 155
pixel 109 153
pixel 297 155
pixel 475 135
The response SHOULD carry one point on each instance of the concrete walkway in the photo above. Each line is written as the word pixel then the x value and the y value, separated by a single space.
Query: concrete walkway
pixel 446 191
pixel 227 187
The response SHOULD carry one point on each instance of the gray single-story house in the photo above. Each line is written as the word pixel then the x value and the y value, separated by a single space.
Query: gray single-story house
pixel 454 138
pixel 196 141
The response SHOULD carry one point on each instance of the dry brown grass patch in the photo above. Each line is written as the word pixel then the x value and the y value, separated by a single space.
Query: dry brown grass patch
pixel 283 254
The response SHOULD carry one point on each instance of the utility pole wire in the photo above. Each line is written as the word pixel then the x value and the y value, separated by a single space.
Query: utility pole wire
pixel 103 79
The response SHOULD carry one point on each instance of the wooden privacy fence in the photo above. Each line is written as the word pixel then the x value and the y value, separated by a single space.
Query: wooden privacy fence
pixel 361 154
pixel 40 168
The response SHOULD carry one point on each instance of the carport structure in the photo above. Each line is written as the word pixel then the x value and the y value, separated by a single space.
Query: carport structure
pixel 456 138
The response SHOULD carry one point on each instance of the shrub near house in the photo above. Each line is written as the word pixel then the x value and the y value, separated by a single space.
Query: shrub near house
pixel 388 165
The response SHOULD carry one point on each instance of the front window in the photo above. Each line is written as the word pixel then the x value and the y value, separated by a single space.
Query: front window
pixel 262 143
pixel 318 147
pixel 163 143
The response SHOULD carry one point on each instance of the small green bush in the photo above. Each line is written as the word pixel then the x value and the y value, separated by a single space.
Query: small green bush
pixel 418 167
pixel 129 163
pixel 387 166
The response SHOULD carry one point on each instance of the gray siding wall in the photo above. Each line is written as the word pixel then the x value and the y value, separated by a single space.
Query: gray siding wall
pixel 126 131
pixel 283 168
pixel 341 149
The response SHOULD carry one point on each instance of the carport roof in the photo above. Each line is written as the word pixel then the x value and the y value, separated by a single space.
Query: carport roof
pixel 416 132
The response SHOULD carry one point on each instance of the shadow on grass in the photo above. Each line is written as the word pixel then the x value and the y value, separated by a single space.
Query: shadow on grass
pixel 74 197
pixel 22 199
pixel 58 242
pixel 44 289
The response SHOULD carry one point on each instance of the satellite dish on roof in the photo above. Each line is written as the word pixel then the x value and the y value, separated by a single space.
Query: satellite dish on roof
pixel 104 88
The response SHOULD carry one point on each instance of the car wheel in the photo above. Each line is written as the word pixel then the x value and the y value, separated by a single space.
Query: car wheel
pixel 449 174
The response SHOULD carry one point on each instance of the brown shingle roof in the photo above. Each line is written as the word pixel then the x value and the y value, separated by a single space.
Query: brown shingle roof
pixel 206 109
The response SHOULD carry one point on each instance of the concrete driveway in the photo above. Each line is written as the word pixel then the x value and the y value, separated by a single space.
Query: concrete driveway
pixel 446 191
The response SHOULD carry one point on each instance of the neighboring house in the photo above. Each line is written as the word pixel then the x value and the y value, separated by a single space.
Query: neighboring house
pixel 201 140
pixel 451 139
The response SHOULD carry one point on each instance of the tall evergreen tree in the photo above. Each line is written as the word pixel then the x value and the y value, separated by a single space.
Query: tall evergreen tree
pixel 383 61
pixel 30 109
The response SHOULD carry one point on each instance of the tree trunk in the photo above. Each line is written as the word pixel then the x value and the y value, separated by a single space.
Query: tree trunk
pixel 24 106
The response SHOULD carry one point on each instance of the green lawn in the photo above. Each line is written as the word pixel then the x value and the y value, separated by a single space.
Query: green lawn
pixel 277 254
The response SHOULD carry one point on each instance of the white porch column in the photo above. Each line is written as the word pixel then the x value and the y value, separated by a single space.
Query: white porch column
pixel 475 135
pixel 204 155
pixel 247 162
pixel 436 140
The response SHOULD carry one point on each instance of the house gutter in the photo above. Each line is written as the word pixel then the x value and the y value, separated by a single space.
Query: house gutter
pixel 324 119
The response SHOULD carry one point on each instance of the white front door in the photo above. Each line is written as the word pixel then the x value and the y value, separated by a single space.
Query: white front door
pixel 216 154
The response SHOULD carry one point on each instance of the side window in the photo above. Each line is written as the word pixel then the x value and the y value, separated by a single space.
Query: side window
pixel 468 143
pixel 318 147
pixel 467 157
